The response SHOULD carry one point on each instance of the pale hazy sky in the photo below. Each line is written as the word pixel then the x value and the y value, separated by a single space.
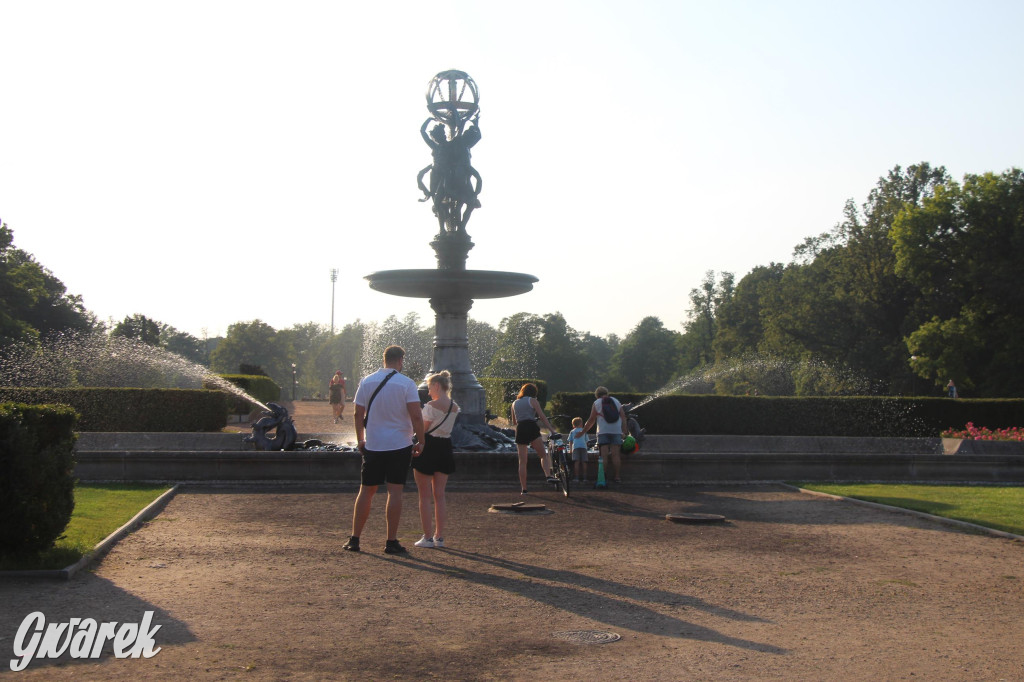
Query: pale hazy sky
pixel 204 163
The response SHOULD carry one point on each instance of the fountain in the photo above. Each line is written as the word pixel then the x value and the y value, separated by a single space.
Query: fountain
pixel 453 186
pixel 95 359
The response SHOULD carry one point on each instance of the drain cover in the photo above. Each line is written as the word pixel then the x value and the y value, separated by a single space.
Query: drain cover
pixel 695 518
pixel 587 636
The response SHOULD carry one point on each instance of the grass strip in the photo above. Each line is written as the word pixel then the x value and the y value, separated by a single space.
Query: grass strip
pixel 999 507
pixel 100 509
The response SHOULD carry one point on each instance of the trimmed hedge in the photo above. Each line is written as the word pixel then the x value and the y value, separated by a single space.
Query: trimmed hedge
pixel 502 392
pixel 37 488
pixel 133 409
pixel 860 416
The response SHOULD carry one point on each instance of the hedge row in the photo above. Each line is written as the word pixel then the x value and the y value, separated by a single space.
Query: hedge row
pixel 502 392
pixel 37 489
pixel 861 416
pixel 132 409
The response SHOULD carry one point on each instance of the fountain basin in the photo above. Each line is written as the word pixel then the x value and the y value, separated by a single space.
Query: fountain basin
pixel 451 284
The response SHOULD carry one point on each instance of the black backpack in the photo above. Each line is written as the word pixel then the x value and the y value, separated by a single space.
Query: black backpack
pixel 608 410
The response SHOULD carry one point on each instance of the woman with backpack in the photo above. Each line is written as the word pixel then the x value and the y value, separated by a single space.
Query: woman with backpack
pixel 526 411
pixel 612 427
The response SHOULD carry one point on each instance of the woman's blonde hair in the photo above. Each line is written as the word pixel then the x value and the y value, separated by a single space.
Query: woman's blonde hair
pixel 442 379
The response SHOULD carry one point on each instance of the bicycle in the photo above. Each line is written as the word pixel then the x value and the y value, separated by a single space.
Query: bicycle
pixel 561 465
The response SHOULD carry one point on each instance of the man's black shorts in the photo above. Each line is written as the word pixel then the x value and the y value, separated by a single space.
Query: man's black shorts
pixel 385 466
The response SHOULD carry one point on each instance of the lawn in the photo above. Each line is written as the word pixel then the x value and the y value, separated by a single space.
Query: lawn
pixel 100 509
pixel 999 507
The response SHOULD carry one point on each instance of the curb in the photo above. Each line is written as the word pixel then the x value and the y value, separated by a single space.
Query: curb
pixel 104 546
pixel 955 523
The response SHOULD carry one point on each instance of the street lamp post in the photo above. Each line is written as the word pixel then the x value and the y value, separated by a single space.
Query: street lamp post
pixel 294 382
pixel 334 278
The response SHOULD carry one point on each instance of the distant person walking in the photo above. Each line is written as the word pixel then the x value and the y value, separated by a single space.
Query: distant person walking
pixel 526 412
pixel 432 468
pixel 387 416
pixel 951 389
pixel 612 427
pixel 336 395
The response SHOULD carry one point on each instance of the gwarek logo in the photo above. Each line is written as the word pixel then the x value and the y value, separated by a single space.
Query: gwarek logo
pixel 82 638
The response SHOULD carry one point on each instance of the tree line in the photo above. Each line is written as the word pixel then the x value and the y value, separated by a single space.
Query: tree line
pixel 916 286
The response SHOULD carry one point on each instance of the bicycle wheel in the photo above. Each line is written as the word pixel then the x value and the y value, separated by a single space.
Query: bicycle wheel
pixel 563 474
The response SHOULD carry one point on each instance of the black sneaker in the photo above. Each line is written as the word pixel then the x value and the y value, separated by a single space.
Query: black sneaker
pixel 352 545
pixel 393 547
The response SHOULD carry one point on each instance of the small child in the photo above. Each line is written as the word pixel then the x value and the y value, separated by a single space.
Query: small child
pixel 579 449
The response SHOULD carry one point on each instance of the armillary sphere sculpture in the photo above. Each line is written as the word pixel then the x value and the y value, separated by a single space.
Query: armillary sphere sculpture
pixel 450 132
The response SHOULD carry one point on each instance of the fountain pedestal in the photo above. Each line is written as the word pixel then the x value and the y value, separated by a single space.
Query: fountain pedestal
pixel 453 187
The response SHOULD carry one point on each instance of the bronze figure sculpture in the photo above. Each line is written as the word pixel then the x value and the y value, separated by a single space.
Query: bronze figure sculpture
pixel 454 129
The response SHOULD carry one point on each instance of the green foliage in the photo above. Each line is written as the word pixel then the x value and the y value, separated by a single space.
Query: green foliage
pixel 861 416
pixel 138 327
pixel 647 359
pixel 962 250
pixel 132 409
pixel 34 303
pixel 580 404
pixel 100 509
pixel 36 482
pixel 501 393
pixel 516 354
pixel 327 355
pixel 413 337
pixel 256 343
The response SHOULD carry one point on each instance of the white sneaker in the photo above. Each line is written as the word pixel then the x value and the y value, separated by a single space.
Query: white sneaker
pixel 438 542
pixel 424 542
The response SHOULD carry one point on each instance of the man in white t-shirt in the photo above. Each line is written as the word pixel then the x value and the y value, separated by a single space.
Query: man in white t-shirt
pixel 609 432
pixel 387 415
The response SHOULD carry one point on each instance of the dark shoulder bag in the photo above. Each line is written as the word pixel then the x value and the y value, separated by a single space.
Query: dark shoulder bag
pixel 366 416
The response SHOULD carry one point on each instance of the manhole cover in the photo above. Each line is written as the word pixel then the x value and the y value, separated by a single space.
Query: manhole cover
pixel 519 508
pixel 587 636
pixel 695 518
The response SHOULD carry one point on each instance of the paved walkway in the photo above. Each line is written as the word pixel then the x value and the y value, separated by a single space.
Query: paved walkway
pixel 251 583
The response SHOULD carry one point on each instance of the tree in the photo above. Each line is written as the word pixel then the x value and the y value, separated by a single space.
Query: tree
pixel 740 318
pixel 183 344
pixel 414 338
pixel 560 360
pixel 962 250
pixel 34 303
pixel 517 354
pixel 139 328
pixel 483 342
pixel 701 323
pixel 648 358
pixel 255 343
pixel 338 351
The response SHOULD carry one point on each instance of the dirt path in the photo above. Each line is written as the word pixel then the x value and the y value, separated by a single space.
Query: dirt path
pixel 252 583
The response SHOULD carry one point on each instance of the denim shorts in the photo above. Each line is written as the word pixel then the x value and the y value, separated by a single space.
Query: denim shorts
pixel 609 439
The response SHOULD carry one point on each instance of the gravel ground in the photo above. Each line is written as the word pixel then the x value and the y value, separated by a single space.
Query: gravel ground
pixel 251 582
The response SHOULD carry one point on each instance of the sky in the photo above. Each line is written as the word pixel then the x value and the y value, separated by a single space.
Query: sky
pixel 207 163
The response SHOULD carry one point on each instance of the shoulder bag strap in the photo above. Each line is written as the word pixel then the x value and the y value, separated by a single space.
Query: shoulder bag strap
pixel 366 416
pixel 451 404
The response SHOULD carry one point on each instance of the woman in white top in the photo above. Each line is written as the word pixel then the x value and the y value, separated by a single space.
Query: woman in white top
pixel 432 468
